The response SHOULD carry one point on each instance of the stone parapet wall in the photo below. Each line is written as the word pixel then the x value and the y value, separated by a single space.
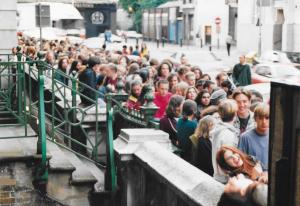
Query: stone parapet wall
pixel 155 175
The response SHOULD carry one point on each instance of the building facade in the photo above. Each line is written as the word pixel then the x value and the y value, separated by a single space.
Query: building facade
pixel 269 25
pixel 8 26
pixel 213 21
pixel 164 23
pixel 98 15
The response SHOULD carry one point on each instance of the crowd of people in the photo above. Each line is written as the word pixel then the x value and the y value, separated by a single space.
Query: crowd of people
pixel 217 125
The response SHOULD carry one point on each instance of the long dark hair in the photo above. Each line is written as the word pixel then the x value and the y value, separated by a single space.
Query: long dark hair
pixel 74 66
pixel 248 162
pixel 175 101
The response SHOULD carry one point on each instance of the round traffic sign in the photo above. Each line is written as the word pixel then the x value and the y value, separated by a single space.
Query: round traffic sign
pixel 218 20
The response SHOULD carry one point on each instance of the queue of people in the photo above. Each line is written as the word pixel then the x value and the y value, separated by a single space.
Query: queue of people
pixel 208 120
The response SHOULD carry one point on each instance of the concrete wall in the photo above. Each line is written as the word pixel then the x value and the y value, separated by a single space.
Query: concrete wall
pixel 205 14
pixel 8 25
pixel 149 173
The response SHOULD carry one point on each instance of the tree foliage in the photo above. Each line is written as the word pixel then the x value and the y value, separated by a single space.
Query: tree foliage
pixel 136 7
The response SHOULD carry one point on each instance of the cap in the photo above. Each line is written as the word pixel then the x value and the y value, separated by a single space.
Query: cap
pixel 218 96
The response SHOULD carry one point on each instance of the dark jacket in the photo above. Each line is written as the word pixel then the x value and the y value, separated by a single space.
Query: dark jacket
pixel 88 77
pixel 241 75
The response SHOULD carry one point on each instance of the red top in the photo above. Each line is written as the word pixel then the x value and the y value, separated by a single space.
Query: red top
pixel 161 102
pixel 133 103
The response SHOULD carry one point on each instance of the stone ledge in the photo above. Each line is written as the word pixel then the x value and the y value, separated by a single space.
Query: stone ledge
pixel 188 182
pixel 130 140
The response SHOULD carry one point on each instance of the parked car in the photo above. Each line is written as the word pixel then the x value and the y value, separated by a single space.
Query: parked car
pixel 262 73
pixel 263 88
pixel 287 58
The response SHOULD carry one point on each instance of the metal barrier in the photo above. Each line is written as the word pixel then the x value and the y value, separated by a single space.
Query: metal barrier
pixel 31 92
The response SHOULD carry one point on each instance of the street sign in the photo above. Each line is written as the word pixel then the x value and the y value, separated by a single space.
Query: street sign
pixel 217 20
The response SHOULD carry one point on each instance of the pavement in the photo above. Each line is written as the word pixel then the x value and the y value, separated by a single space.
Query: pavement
pixel 200 56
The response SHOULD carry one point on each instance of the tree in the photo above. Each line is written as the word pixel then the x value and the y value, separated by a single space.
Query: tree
pixel 136 7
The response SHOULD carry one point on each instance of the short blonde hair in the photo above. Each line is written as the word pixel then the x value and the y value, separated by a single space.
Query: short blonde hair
pixel 227 110
pixel 261 110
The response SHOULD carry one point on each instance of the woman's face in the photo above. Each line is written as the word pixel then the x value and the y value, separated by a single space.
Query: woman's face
pixel 64 64
pixel 233 159
pixel 78 66
pixel 197 74
pixel 191 94
pixel 165 70
pixel 237 185
pixel 173 81
pixel 205 100
pixel 178 111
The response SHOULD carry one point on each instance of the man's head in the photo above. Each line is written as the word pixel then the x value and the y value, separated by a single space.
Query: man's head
pixel 190 78
pixel 261 116
pixel 242 98
pixel 227 110
pixel 242 59
pixel 112 70
pixel 184 60
pixel 94 62
pixel 163 87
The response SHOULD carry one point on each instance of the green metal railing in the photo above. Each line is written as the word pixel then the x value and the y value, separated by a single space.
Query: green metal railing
pixel 32 93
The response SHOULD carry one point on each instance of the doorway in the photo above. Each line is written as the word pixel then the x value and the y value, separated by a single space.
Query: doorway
pixel 277 34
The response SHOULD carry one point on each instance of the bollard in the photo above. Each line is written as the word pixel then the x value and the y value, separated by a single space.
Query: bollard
pixel 136 41
pixel 201 43
pixel 210 48
pixel 181 42
pixel 157 43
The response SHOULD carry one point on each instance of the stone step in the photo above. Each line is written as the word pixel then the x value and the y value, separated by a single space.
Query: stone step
pixel 17 148
pixel 8 120
pixel 15 131
pixel 59 161
pixel 82 174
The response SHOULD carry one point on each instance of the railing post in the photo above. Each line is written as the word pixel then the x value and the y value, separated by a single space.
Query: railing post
pixel 110 177
pixel 73 93
pixel 19 83
pixel 110 174
pixel 41 175
pixel 149 108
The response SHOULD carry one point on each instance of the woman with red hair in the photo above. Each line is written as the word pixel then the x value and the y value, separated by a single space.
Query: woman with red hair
pixel 233 162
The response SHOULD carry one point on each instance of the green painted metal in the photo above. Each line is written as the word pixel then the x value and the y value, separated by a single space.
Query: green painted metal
pixel 112 167
pixel 56 108
pixel 42 168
